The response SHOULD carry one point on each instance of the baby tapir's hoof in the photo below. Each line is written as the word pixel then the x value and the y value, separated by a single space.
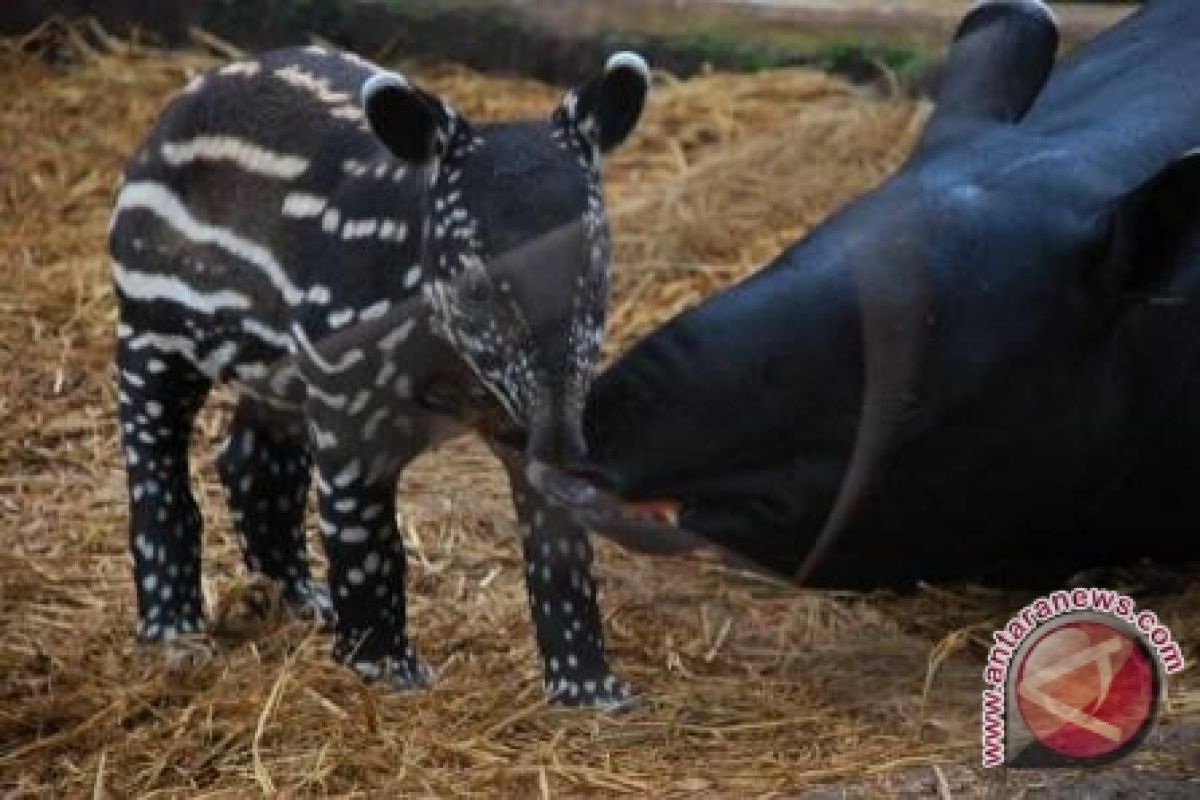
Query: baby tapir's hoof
pixel 608 693
pixel 407 674
pixel 188 654
pixel 308 601
pixel 180 654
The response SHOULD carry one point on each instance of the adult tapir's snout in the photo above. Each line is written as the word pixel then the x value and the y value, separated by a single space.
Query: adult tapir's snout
pixel 975 371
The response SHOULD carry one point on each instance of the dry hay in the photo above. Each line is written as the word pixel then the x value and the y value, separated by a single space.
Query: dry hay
pixel 749 687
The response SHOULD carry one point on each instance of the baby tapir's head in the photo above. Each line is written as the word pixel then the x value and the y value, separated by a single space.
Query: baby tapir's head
pixel 515 262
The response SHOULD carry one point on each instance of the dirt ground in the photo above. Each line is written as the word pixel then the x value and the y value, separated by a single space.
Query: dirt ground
pixel 748 687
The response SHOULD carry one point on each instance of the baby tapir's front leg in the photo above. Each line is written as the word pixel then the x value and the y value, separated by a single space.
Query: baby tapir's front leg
pixel 160 394
pixel 562 599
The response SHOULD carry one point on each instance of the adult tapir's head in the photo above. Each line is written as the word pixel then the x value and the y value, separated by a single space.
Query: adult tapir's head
pixel 1000 326
pixel 516 251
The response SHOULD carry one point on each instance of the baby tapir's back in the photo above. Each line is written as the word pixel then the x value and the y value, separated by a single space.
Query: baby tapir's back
pixel 259 199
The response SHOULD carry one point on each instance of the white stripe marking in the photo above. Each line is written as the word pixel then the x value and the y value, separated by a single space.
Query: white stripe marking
pixel 334 401
pixel 347 113
pixel 348 359
pixel 252 372
pixel 247 155
pixel 358 60
pixel 372 426
pixel 269 335
pixel 247 68
pixel 146 286
pixel 397 337
pixel 318 87
pixel 359 402
pixel 211 365
pixel 163 203
pixel 374 311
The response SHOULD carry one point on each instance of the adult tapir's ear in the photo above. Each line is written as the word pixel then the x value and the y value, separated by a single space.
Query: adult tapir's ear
pixel 1155 233
pixel 607 108
pixel 413 124
pixel 1000 59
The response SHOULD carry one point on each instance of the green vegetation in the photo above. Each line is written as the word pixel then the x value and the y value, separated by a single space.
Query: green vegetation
pixel 496 35
pixel 839 56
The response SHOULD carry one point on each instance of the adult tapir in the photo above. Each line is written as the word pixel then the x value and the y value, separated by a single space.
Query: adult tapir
pixel 986 368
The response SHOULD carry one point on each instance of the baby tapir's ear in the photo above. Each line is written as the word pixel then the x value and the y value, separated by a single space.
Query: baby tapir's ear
pixel 413 124
pixel 607 108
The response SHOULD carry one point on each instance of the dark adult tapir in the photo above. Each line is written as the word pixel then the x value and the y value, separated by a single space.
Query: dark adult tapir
pixel 986 368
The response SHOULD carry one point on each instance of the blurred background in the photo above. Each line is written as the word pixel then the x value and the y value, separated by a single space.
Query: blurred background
pixel 558 40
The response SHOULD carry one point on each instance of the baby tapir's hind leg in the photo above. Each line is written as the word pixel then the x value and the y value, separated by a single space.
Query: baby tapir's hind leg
pixel 160 393
pixel 562 600
pixel 265 467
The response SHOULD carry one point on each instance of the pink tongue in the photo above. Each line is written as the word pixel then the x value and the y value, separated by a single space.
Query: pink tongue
pixel 578 495
pixel 662 510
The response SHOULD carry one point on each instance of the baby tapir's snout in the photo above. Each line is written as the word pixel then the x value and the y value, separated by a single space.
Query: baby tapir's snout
pixel 562 291
pixel 555 432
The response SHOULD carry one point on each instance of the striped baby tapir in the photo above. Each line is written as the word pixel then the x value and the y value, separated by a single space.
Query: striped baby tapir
pixel 372 273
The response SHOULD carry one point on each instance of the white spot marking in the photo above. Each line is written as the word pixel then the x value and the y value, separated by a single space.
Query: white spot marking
pixel 303 204
pixel 354 535
pixel 348 475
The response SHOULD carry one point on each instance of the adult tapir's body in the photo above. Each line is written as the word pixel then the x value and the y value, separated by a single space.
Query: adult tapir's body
pixel 371 275
pixel 987 367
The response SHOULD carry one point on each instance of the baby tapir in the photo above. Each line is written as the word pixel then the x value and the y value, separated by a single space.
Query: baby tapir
pixel 372 272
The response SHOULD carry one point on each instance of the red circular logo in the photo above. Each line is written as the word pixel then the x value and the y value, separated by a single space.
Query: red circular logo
pixel 1086 689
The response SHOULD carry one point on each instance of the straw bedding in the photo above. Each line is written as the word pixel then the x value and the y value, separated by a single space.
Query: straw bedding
pixel 749 688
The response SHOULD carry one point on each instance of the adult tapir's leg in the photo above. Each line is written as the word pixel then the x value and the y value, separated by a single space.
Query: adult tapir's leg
pixel 265 467
pixel 160 393
pixel 562 599
pixel 1001 57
